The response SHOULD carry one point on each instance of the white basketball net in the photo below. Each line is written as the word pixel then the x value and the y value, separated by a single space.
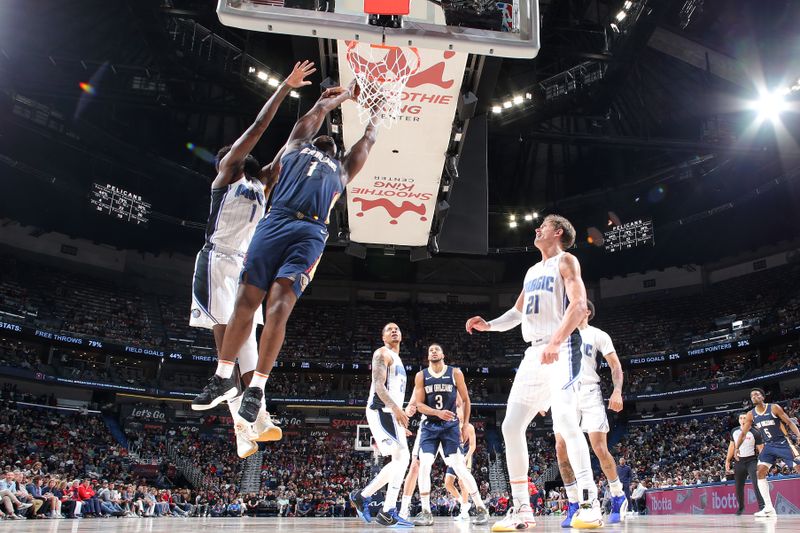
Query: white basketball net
pixel 381 73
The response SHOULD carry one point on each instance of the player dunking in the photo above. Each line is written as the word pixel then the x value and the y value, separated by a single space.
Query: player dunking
pixel 774 424
pixel 288 243
pixel 387 423
pixel 436 390
pixel 238 201
pixel 550 307
pixel 592 414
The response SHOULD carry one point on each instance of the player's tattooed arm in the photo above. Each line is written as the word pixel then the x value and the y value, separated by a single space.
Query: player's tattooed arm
pixel 379 372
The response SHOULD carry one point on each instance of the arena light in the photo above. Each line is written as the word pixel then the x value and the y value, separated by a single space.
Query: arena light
pixel 497 109
pixel 294 94
pixel 535 214
pixel 507 104
pixel 528 218
pixel 512 224
pixel 262 75
pixel 273 82
pixel 770 105
pixel 627 5
pixel 251 70
pixel 621 16
pixel 518 100
pixel 512 218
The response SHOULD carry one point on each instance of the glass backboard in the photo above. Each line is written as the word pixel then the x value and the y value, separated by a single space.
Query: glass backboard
pixel 487 27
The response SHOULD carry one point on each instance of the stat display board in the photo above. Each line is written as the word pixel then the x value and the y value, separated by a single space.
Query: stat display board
pixel 629 235
pixel 119 203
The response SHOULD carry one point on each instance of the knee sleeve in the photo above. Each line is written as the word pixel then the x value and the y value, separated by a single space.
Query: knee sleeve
pixel 248 355
pixel 425 465
pixel 465 477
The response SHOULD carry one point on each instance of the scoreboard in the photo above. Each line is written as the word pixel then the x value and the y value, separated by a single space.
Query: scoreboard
pixel 119 203
pixel 629 235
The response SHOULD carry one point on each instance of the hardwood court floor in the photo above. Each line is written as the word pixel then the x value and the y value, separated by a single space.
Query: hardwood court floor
pixel 678 523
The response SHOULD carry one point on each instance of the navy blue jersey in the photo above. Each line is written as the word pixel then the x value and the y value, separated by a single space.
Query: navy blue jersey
pixel 772 428
pixel 309 184
pixel 441 392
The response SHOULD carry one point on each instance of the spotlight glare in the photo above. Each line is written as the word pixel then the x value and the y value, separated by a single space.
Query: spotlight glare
pixel 615 27
pixel 512 218
pixel 262 75
pixel 273 82
pixel 770 105
pixel 518 100
pixel 507 104
pixel 529 96
pixel 250 70
pixel 528 218
pixel 621 16
pixel 294 94
pixel 627 5
pixel 496 109
pixel 512 224
pixel 535 214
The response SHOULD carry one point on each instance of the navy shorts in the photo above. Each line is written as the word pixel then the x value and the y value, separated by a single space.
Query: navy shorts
pixel 771 453
pixel 448 435
pixel 284 247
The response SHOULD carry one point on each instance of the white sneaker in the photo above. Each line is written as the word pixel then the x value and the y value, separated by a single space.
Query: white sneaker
pixel 515 521
pixel 766 511
pixel 245 447
pixel 265 428
pixel 589 516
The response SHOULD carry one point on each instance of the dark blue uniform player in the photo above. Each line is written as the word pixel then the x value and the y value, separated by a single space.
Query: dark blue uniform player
pixel 436 390
pixel 772 422
pixel 289 240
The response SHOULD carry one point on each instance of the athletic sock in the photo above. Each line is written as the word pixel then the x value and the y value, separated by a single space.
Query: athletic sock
pixel 404 505
pixel 465 507
pixel 763 488
pixel 616 487
pixel 519 492
pixel 259 380
pixel 573 494
pixel 225 369
pixel 426 502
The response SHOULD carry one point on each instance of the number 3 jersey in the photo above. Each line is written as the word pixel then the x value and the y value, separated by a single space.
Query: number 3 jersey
pixel 545 299
pixel 440 393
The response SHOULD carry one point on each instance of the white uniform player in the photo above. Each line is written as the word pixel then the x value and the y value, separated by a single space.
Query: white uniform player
pixel 234 215
pixel 385 429
pixel 596 343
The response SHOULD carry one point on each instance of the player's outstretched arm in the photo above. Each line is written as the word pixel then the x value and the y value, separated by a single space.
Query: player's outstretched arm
pixel 379 371
pixel 508 320
pixel 248 140
pixel 357 155
pixel 310 123
pixel 570 270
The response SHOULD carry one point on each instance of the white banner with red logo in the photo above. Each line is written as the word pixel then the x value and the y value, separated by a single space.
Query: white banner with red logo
pixel 392 199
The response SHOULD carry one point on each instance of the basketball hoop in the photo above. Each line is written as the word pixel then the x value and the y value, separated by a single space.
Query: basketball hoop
pixel 381 73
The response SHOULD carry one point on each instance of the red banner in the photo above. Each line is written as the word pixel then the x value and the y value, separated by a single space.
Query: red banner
pixel 721 499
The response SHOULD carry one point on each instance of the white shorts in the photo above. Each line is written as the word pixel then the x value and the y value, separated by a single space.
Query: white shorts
pixel 535 385
pixel 386 432
pixel 214 286
pixel 590 409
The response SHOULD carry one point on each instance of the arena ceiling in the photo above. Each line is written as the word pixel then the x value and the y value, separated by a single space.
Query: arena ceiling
pixel 664 134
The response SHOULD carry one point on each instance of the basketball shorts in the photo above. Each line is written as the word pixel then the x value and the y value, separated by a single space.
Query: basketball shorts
pixel 537 385
pixel 415 448
pixel 447 434
pixel 214 286
pixel 284 247
pixel 772 452
pixel 386 432
pixel 590 409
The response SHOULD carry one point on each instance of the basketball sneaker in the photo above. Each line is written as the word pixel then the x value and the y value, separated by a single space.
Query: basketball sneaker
pixel 619 509
pixel 516 520
pixel 265 428
pixel 392 519
pixel 361 504
pixel 424 518
pixel 588 516
pixel 766 511
pixel 571 510
pixel 481 516
pixel 245 447
pixel 252 399
pixel 216 391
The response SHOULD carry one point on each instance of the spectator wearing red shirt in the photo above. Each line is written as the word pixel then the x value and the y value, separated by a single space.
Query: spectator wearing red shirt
pixel 86 494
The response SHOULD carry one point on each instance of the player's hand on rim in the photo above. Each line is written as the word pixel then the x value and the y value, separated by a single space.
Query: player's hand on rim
pixel 297 78
pixel 477 323
pixel 550 353
pixel 615 402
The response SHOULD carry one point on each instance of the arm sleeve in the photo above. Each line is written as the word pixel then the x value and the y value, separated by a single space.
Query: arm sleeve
pixel 508 320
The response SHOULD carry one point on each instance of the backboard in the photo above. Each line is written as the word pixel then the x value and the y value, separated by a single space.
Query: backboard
pixel 502 28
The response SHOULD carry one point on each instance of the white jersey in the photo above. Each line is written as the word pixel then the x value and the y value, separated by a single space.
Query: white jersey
pixel 235 213
pixel 395 384
pixel 545 300
pixel 596 343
